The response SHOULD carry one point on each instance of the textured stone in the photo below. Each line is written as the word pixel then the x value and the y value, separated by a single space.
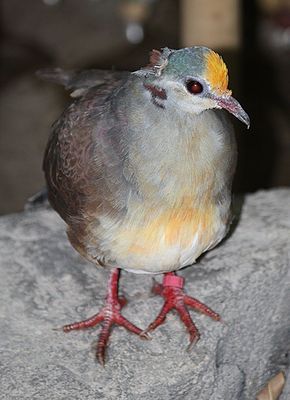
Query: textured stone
pixel 44 284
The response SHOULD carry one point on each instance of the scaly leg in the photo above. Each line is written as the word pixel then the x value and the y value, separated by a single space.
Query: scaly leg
pixel 172 291
pixel 109 315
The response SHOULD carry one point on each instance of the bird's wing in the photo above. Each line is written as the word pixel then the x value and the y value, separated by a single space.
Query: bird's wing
pixel 83 161
pixel 80 81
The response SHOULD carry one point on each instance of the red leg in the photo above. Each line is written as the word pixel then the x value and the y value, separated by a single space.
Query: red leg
pixel 109 315
pixel 175 298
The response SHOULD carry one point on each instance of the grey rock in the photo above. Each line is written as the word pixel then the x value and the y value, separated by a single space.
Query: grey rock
pixel 44 284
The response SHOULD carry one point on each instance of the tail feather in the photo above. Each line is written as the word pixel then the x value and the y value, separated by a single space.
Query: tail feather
pixel 80 81
pixel 56 75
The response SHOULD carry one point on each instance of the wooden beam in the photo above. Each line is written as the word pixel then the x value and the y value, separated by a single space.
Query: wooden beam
pixel 212 23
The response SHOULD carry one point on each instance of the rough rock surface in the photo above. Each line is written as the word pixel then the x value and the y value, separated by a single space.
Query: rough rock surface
pixel 44 284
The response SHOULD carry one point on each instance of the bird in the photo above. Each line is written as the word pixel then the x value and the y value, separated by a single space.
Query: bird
pixel 140 167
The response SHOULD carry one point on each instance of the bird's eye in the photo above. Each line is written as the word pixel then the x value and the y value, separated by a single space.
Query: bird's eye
pixel 194 87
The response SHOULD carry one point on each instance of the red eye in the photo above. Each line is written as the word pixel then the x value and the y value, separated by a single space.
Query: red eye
pixel 194 87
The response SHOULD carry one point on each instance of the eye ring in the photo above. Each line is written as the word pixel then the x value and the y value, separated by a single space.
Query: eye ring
pixel 194 87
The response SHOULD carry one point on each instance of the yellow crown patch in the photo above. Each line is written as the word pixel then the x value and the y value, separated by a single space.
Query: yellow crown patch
pixel 216 73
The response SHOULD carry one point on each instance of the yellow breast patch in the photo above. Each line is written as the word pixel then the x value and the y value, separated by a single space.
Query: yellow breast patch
pixel 169 228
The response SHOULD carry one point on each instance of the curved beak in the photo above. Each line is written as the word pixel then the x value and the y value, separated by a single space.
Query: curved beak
pixel 230 104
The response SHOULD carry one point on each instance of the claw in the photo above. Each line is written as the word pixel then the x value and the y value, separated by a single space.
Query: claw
pixel 109 315
pixel 192 343
pixel 175 298
pixel 145 335
pixel 58 329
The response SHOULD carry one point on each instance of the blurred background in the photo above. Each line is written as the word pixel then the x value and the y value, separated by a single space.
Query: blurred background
pixel 252 35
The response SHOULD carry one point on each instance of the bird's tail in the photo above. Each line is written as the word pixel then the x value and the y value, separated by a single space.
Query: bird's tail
pixel 80 81
pixel 57 75
pixel 39 199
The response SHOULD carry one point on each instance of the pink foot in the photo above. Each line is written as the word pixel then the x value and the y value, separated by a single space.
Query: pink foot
pixel 109 315
pixel 172 291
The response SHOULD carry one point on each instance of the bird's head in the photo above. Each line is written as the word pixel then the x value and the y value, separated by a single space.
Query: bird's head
pixel 191 80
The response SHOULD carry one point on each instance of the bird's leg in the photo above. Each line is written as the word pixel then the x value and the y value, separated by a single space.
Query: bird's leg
pixel 172 291
pixel 109 315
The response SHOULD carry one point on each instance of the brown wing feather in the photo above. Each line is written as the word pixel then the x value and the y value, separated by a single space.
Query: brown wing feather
pixel 80 158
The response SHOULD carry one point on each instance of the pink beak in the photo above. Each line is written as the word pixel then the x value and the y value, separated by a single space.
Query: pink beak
pixel 230 104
